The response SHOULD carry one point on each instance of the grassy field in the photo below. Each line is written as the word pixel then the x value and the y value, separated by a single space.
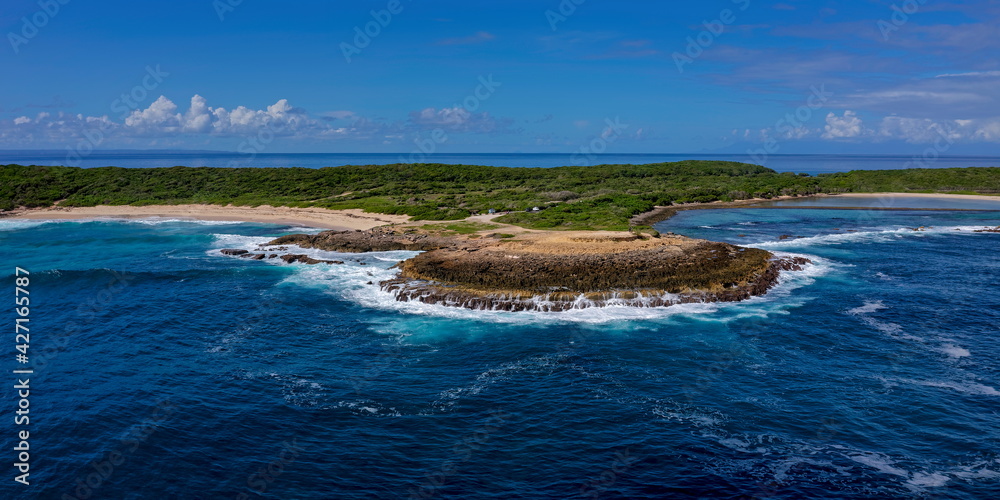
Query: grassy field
pixel 578 198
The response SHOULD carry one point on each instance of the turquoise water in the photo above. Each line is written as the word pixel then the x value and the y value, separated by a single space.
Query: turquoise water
pixel 873 373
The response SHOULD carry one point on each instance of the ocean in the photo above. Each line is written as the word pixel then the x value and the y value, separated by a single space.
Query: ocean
pixel 810 164
pixel 163 369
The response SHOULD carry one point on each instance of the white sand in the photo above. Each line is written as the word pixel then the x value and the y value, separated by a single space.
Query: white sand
pixel 309 217
pixel 922 195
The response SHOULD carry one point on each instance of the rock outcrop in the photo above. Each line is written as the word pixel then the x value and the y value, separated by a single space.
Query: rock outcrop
pixel 558 271
pixel 381 239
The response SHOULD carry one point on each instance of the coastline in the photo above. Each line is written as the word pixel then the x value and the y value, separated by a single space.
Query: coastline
pixel 662 213
pixel 308 217
pixel 357 219
pixel 943 196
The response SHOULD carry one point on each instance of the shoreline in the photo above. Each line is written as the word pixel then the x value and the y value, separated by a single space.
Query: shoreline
pixel 320 218
pixel 550 271
pixel 662 213
pixel 357 219
pixel 943 196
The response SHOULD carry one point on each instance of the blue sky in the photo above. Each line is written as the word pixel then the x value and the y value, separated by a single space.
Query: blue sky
pixel 730 76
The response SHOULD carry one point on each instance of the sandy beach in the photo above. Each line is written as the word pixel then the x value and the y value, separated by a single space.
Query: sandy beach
pixel 356 218
pixel 922 195
pixel 310 217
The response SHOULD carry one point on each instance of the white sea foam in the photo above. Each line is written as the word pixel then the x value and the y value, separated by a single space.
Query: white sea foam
pixel 955 351
pixel 237 241
pixel 155 221
pixel 690 416
pixel 350 281
pixel 447 398
pixel 18 225
pixel 963 387
pixel 879 462
pixel 869 307
pixel 869 236
pixel 369 408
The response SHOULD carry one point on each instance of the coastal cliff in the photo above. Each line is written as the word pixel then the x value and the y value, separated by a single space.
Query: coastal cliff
pixel 558 271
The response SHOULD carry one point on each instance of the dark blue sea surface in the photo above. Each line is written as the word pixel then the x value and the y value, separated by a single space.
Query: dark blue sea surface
pixel 811 164
pixel 164 369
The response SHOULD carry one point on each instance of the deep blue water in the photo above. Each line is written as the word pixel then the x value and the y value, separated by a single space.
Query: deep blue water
pixel 874 373
pixel 811 164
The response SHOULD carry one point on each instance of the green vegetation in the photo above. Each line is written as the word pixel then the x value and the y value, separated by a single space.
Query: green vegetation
pixel 599 197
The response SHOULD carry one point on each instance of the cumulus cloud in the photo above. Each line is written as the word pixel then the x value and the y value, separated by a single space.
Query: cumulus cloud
pixel 843 127
pixel 164 119
pixel 914 130
pixel 160 117
pixel 460 119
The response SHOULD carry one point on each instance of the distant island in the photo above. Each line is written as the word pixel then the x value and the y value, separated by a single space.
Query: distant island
pixel 520 238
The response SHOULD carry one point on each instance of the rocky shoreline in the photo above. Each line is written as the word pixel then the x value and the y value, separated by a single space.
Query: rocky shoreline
pixel 554 271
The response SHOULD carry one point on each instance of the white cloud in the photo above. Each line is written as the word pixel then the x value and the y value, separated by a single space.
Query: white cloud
pixel 163 120
pixel 843 127
pixel 461 120
pixel 916 130
pixel 160 117
pixel 199 116
pixel 969 74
